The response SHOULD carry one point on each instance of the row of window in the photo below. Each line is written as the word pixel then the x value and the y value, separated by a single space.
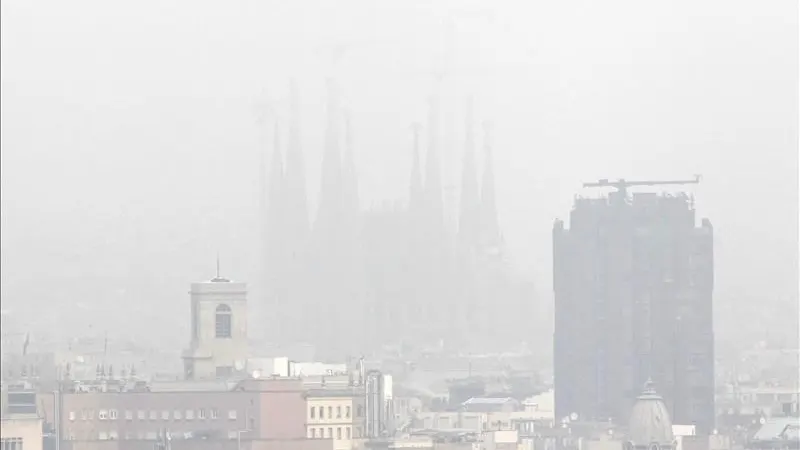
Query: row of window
pixel 341 433
pixel 112 414
pixel 313 412
pixel 11 443
pixel 149 435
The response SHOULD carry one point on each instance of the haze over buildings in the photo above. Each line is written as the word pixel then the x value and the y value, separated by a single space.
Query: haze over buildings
pixel 376 184
pixel 130 158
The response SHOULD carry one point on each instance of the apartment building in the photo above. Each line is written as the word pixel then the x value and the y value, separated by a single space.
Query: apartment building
pixel 336 414
pixel 251 411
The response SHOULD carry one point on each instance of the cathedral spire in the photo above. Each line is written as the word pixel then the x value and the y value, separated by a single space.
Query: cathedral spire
pixel 415 194
pixel 469 216
pixel 276 209
pixel 433 173
pixel 490 226
pixel 296 173
pixel 330 198
pixel 350 181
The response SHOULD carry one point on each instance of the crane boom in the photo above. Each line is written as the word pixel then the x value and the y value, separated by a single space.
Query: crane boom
pixel 622 185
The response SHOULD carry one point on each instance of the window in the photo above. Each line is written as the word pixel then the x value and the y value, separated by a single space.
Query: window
pixel 11 443
pixel 165 415
pixel 113 435
pixel 360 411
pixel 339 433
pixel 312 433
pixel 214 413
pixel 330 412
pixel 140 415
pixel 201 414
pixel 232 414
pixel 338 412
pixel 330 433
pixel 112 414
pixel 232 435
pixel 153 415
pixel 177 414
pixel 72 415
pixel 312 412
pixel 347 412
pixel 189 414
pixel 222 321
pixel 348 432
pixel 358 432
pixel 102 436
pixel 90 414
pixel 321 412
pixel 128 415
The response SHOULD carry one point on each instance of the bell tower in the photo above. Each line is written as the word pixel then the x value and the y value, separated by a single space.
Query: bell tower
pixel 218 345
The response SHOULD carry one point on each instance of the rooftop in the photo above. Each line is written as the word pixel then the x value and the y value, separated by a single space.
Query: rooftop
pixel 488 400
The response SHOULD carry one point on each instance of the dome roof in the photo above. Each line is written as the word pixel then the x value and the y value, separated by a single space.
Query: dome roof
pixel 650 422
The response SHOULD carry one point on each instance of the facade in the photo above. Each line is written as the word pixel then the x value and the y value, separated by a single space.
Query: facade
pixel 218 346
pixel 336 414
pixel 21 425
pixel 18 432
pixel 633 281
pixel 252 410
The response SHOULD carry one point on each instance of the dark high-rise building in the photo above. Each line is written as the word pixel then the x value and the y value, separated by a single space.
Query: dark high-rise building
pixel 633 281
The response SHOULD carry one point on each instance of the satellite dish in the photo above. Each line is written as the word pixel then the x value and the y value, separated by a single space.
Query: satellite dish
pixel 256 374
pixel 239 365
pixel 573 416
pixel 762 421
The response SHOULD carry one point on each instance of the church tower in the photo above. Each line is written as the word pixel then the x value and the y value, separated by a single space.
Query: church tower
pixel 218 346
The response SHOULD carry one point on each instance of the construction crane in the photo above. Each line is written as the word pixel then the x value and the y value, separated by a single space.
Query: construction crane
pixel 622 185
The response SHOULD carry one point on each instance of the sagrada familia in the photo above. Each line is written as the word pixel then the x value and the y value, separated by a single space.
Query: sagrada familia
pixel 352 281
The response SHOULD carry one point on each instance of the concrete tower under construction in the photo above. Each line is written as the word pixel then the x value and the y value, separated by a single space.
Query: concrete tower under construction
pixel 633 281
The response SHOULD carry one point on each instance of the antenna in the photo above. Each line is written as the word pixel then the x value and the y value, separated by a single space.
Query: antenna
pixel 218 278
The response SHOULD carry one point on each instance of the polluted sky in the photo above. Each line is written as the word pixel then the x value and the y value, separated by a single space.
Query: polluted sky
pixel 130 140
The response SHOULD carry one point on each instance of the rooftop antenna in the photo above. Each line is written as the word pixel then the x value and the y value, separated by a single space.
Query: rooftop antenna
pixel 218 278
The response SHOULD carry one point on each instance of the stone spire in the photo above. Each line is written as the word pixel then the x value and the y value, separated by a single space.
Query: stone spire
pixel 330 198
pixel 415 194
pixel 490 228
pixel 469 215
pixel 350 177
pixel 433 172
pixel 297 198
pixel 275 245
pixel 276 206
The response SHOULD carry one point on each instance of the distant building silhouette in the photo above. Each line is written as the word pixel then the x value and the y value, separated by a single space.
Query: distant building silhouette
pixel 633 280
pixel 357 280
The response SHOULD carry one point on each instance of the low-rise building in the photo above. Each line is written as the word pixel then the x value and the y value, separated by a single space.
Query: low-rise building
pixel 20 424
pixel 247 412
pixel 336 414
